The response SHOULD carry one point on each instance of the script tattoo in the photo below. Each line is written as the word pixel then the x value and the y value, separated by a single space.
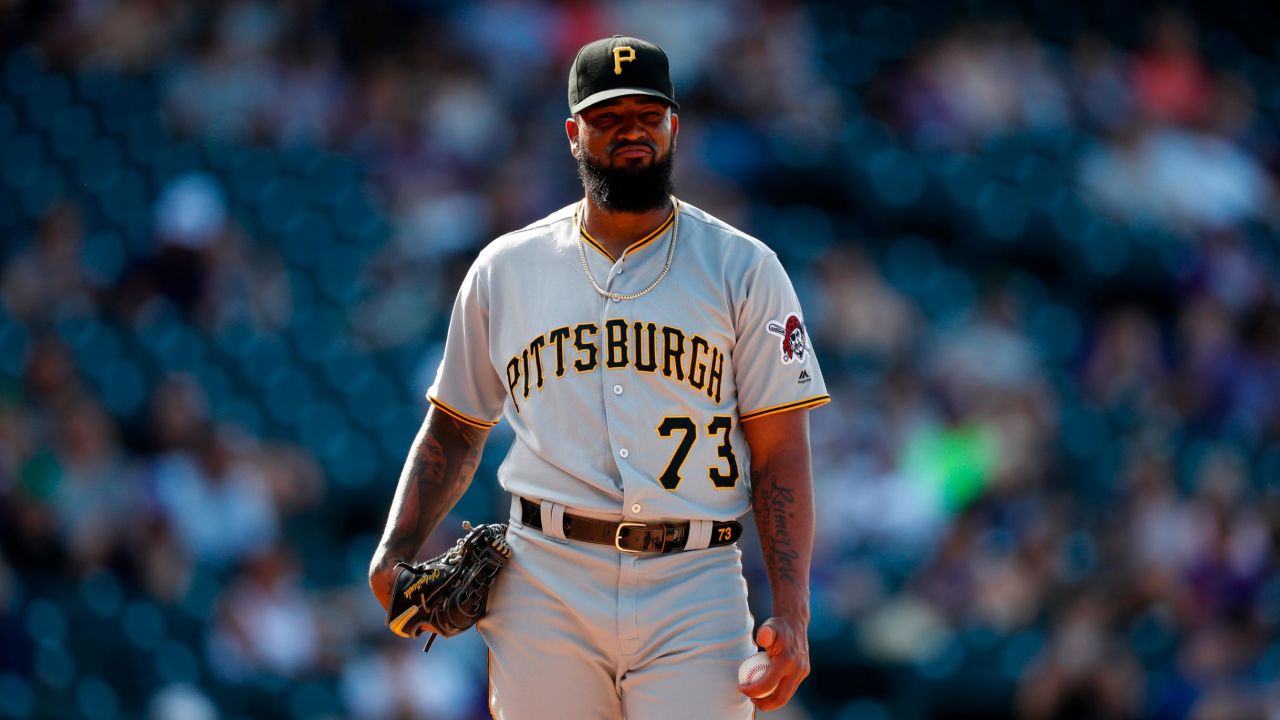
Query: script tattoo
pixel 442 461
pixel 775 514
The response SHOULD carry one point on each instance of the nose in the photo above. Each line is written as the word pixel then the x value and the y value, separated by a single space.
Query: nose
pixel 630 127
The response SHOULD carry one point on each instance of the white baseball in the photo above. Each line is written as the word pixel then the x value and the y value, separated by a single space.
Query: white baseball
pixel 753 668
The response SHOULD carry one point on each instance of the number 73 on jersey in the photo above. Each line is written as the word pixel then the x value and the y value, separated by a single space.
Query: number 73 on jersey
pixel 723 477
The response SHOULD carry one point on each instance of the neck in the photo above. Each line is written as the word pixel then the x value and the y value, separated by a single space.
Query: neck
pixel 616 231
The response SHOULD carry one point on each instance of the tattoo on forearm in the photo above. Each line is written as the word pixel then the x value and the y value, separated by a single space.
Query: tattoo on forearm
pixel 775 515
pixel 443 461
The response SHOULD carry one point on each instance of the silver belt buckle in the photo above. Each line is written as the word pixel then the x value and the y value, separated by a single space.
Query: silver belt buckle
pixel 617 536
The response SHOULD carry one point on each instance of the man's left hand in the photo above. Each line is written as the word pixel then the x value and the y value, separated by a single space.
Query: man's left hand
pixel 787 642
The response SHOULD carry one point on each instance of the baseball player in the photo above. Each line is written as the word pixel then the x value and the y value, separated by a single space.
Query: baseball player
pixel 654 365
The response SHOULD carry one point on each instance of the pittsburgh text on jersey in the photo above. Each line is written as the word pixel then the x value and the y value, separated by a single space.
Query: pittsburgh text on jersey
pixel 646 346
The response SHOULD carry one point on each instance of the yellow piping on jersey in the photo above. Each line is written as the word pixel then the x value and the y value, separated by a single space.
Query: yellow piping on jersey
pixel 812 402
pixel 592 242
pixel 462 417
pixel 633 246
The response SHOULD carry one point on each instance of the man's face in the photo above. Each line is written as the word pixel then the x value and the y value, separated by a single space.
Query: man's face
pixel 624 148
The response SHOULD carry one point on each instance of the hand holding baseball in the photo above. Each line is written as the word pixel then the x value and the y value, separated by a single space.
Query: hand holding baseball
pixel 753 669
pixel 786 663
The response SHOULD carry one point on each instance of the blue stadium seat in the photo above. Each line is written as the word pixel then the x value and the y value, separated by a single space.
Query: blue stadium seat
pixel 46 622
pixel 262 357
pixel 90 340
pixel 1002 210
pixel 55 668
pixel 8 120
pixel 16 697
pixel 146 138
pixel 316 331
pixel 97 699
pixel 23 159
pixel 287 391
pixel 339 274
pixel 350 458
pixel 70 132
pixel 179 157
pixel 143 624
pixel 104 257
pixel 250 172
pixel 240 412
pixel 23 71
pixel 123 387
pixel 44 188
pixel 48 96
pixel 909 262
pixel 280 206
pixel 132 96
pixel 16 340
pixel 318 422
pixel 313 699
pixel 305 243
pixel 102 594
pixel 368 395
pixel 95 84
pixel 176 662
pixel 896 176
pixel 99 166
pixel 213 379
pixel 127 197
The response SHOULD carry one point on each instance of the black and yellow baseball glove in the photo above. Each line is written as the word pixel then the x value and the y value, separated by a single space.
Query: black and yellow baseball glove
pixel 450 592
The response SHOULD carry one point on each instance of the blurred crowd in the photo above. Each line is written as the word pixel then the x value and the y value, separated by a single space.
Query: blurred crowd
pixel 1040 266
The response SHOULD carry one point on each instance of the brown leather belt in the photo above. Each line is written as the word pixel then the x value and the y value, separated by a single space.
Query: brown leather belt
pixel 632 537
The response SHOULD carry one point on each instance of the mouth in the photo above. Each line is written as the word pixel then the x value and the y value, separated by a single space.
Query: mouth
pixel 629 152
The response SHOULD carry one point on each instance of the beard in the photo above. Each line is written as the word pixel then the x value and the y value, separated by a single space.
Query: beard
pixel 626 189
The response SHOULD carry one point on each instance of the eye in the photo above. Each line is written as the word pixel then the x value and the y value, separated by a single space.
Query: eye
pixel 651 118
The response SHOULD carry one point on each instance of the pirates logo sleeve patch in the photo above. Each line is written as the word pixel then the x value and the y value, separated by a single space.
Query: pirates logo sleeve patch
pixel 793 339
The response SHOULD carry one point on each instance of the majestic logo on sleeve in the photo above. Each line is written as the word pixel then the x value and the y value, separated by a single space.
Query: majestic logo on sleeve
pixel 795 341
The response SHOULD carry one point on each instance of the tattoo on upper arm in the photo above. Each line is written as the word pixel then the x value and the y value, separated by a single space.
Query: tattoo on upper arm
pixel 446 454
pixel 775 515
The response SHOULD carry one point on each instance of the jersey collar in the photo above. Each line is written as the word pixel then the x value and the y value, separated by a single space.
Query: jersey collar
pixel 633 247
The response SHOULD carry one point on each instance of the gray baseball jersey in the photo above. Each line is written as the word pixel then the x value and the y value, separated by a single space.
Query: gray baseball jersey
pixel 632 406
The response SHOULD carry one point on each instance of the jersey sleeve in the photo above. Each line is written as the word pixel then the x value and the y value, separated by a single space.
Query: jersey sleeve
pixel 467 388
pixel 776 369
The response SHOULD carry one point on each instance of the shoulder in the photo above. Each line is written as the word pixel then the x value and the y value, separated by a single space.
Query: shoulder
pixel 723 238
pixel 539 235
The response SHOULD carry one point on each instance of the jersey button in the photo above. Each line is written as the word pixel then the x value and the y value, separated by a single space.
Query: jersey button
pixel 616 300
pixel 617 389
pixel 636 508
pixel 623 452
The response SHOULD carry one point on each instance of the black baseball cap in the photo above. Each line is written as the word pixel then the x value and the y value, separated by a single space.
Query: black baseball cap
pixel 617 66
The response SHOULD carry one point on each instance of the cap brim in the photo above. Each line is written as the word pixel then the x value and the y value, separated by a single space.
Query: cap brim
pixel 603 95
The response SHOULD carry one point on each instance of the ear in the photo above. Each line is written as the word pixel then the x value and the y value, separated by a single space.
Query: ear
pixel 571 132
pixel 675 128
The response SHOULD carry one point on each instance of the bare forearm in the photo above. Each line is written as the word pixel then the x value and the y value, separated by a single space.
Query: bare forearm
pixel 782 502
pixel 441 463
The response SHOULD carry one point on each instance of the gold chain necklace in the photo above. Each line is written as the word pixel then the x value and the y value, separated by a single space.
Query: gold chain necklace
pixel 619 297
